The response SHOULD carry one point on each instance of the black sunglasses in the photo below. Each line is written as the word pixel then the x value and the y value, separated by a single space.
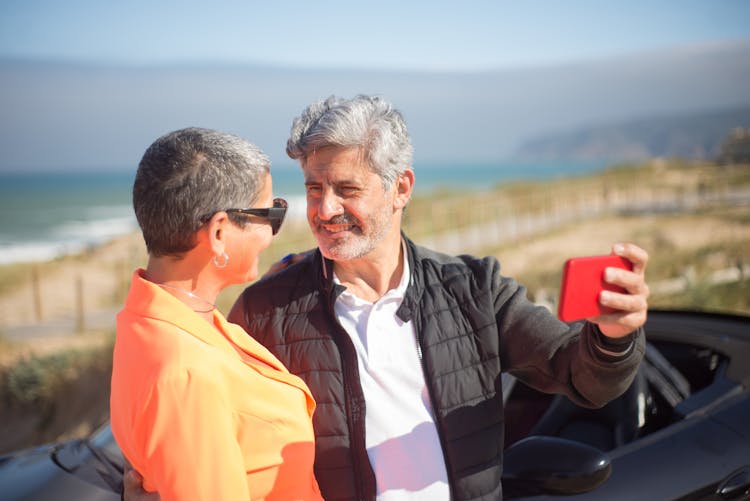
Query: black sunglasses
pixel 274 215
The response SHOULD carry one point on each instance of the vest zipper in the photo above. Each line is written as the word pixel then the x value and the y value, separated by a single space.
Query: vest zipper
pixel 438 420
pixel 365 489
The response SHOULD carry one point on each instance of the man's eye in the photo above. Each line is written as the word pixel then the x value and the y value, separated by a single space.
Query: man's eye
pixel 312 190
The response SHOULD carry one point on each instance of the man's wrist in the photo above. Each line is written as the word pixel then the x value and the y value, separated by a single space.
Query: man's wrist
pixel 613 347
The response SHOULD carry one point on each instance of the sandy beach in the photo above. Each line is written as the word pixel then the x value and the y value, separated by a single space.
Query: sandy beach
pixel 49 298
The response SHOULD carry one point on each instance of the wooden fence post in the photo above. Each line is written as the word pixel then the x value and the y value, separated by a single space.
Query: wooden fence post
pixel 80 324
pixel 36 292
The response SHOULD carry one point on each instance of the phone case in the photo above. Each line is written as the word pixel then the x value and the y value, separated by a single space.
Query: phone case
pixel 582 281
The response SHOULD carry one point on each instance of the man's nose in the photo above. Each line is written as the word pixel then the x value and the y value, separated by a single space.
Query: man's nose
pixel 329 205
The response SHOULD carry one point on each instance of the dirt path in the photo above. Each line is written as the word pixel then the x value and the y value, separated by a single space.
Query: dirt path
pixel 659 235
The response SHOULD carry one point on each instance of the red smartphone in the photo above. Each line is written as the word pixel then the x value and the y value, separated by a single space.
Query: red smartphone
pixel 582 281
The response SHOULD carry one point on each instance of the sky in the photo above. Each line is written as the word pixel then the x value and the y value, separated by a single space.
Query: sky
pixel 388 34
pixel 90 83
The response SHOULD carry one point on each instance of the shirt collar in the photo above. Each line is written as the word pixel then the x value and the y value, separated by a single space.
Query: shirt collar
pixel 398 293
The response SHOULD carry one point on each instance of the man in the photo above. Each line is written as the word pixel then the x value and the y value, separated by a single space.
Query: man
pixel 403 347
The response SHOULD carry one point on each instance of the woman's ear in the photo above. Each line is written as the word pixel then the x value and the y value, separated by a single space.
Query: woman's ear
pixel 215 232
pixel 404 187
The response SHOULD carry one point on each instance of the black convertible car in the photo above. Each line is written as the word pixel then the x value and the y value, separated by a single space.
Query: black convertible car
pixel 682 431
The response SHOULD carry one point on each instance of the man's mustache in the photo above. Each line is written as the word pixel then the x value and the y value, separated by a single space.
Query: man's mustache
pixel 340 219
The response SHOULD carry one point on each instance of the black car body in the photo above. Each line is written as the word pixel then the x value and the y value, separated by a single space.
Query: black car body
pixel 85 470
pixel 682 431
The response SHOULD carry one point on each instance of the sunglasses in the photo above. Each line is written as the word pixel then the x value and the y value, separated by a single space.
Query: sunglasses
pixel 274 215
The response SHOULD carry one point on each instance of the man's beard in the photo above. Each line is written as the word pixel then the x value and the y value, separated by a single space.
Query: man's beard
pixel 356 243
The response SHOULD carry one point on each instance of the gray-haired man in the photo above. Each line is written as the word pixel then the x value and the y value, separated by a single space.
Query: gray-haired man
pixel 403 347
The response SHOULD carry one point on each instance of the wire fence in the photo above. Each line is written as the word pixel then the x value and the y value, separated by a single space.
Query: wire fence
pixel 76 298
pixel 499 221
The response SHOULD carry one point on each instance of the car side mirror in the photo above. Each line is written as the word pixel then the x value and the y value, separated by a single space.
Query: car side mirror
pixel 551 465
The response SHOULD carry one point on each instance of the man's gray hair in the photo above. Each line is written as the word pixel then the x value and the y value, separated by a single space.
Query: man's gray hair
pixel 368 123
pixel 187 176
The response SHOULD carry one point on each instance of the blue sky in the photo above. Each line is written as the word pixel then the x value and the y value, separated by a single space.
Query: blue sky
pixel 387 34
pixel 510 71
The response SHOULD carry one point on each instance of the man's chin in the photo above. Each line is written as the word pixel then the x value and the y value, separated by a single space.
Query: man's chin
pixel 339 251
pixel 328 239
pixel 333 252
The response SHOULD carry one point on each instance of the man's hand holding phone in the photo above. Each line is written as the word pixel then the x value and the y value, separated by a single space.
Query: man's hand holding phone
pixel 610 291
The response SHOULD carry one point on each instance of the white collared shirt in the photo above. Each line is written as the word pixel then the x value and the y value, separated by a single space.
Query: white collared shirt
pixel 401 437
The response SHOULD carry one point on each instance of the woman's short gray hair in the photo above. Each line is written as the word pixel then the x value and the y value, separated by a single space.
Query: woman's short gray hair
pixel 365 122
pixel 187 176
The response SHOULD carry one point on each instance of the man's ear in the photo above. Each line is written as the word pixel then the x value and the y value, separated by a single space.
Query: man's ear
pixel 404 187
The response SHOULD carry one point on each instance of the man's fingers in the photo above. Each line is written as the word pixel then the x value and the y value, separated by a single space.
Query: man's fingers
pixel 632 282
pixel 620 324
pixel 285 261
pixel 624 302
pixel 131 479
pixel 133 487
pixel 634 254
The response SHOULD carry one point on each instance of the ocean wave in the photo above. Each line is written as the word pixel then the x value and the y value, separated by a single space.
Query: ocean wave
pixel 89 226
pixel 297 210
pixel 29 252
pixel 69 237
pixel 95 230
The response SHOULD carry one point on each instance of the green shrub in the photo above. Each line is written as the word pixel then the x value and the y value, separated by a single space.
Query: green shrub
pixel 37 379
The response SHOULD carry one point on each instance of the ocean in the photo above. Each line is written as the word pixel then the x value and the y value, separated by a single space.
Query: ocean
pixel 46 215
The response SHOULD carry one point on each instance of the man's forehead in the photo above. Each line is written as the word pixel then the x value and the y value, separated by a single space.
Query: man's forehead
pixel 337 168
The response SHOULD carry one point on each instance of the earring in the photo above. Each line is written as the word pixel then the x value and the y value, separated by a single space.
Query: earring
pixel 224 262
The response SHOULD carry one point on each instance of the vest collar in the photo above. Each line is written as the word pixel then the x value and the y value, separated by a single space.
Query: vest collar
pixel 324 272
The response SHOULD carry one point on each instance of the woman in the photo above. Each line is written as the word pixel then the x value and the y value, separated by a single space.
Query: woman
pixel 198 407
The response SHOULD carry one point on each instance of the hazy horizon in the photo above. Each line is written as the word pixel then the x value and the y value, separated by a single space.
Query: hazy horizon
pixel 89 115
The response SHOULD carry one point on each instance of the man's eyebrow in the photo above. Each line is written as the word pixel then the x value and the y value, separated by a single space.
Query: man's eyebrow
pixel 337 182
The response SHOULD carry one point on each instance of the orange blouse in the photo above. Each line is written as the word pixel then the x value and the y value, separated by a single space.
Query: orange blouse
pixel 205 412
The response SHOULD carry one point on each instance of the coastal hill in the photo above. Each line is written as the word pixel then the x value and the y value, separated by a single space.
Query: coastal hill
pixel 63 115
pixel 696 136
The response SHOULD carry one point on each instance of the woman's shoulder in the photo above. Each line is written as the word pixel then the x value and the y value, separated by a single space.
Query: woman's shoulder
pixel 161 351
